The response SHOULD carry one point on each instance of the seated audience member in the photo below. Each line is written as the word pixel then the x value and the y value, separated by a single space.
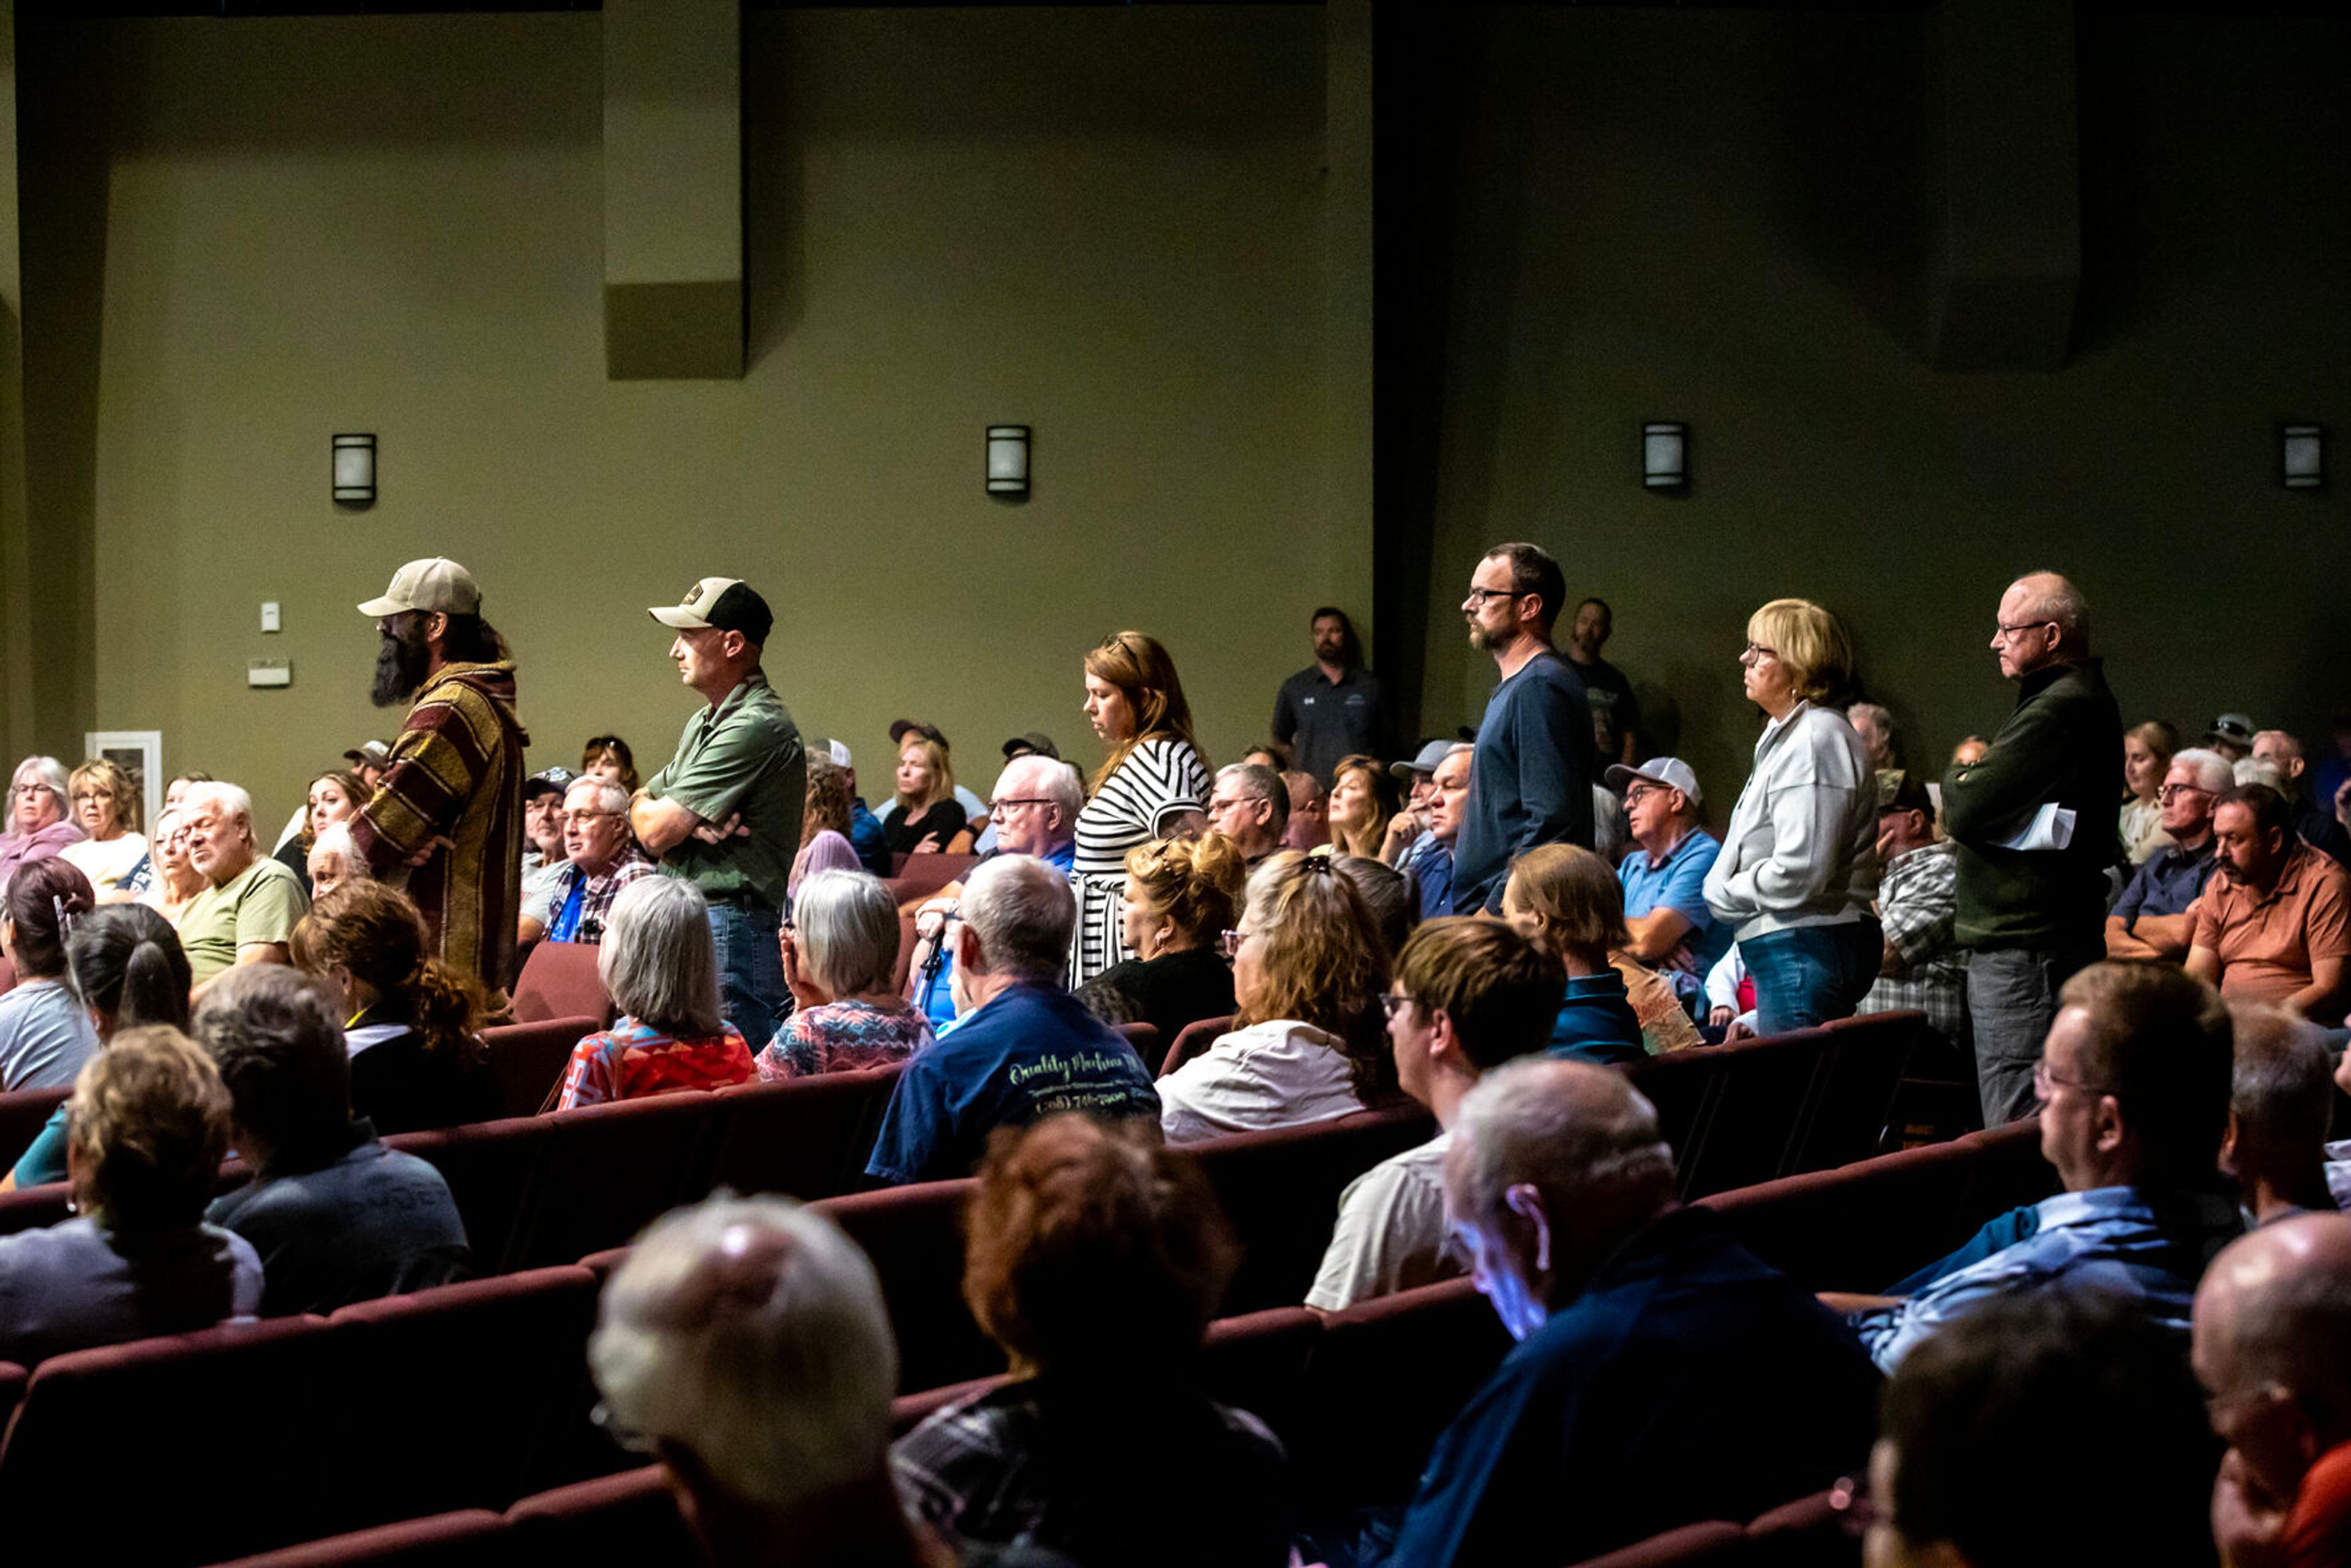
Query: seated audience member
pixel 1095 1258
pixel 866 834
pixel 335 859
pixel 1429 862
pixel 600 858
pixel 2134 1089
pixel 1917 905
pixel 659 965
pixel 1307 1044
pixel 1182 895
pixel 1022 1047
pixel 2273 1349
pixel 40 823
pixel 925 814
pixel 824 823
pixel 1358 810
pixel 1035 812
pixel 2076 1384
pixel 113 853
pixel 2232 736
pixel 1251 806
pixel 974 810
pixel 247 910
pixel 417 1061
pixel 1663 1375
pixel 1468 995
pixel 2151 919
pixel 2280 1105
pixel 1731 999
pixel 1310 812
pixel 2147 751
pixel 1409 827
pixel 2314 823
pixel 1388 894
pixel 176 880
pixel 1273 757
pixel 145 1132
pixel 44 1031
pixel 605 757
pixel 332 797
pixel 1875 724
pixel 126 970
pixel 1969 750
pixel 1664 876
pixel 542 840
pixel 744 1345
pixel 2274 924
pixel 336 1216
pixel 1566 897
pixel 839 948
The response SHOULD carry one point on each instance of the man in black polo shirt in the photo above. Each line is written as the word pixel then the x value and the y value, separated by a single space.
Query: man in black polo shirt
pixel 1331 709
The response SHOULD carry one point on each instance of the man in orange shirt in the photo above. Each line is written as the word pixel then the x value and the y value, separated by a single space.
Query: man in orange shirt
pixel 2273 1348
pixel 2274 923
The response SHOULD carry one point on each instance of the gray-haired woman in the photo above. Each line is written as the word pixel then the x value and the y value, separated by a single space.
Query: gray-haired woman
pixel 658 963
pixel 840 948
pixel 39 822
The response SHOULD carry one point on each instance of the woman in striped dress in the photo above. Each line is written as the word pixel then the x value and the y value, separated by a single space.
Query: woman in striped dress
pixel 1153 785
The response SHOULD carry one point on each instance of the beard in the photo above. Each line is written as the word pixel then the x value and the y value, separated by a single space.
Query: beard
pixel 1486 642
pixel 400 665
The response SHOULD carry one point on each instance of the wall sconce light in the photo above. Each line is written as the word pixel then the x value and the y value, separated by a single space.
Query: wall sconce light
pixel 2302 456
pixel 354 470
pixel 1664 454
pixel 1008 462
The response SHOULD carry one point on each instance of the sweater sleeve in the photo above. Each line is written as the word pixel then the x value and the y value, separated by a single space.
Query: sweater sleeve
pixel 1983 800
pixel 1807 832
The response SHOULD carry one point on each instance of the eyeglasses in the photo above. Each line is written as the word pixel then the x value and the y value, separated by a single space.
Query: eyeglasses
pixel 2173 791
pixel 1759 652
pixel 1020 800
pixel 82 795
pixel 1391 1004
pixel 21 790
pixel 1643 792
pixel 584 818
pixel 1228 943
pixel 2044 1081
pixel 1477 596
pixel 2003 632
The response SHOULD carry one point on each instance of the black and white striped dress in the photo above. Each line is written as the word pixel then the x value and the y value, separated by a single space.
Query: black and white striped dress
pixel 1160 780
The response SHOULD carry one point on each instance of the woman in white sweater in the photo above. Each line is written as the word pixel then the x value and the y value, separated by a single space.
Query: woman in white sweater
pixel 1309 967
pixel 1799 860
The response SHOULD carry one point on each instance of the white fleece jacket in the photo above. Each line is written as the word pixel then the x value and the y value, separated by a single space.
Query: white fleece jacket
pixel 1802 846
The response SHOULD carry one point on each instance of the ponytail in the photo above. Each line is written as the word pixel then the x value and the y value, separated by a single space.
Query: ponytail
pixel 126 961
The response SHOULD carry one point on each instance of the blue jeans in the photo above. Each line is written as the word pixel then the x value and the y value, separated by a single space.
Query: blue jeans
pixel 750 969
pixel 1811 974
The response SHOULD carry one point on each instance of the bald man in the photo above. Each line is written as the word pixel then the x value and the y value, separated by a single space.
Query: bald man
pixel 2273 1348
pixel 2028 918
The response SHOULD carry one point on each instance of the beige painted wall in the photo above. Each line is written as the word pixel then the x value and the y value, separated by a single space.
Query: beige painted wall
pixel 1712 214
pixel 1102 224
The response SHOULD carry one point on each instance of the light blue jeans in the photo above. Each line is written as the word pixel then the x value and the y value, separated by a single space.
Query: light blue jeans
pixel 1810 975
pixel 750 969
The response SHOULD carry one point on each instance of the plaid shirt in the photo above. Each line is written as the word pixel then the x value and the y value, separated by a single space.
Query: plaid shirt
pixel 596 897
pixel 1917 904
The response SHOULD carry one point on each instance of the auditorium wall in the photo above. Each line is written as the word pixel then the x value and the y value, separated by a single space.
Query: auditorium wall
pixel 1724 216
pixel 1102 224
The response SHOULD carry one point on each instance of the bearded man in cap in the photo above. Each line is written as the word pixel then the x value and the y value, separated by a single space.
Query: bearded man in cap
pixel 725 814
pixel 445 820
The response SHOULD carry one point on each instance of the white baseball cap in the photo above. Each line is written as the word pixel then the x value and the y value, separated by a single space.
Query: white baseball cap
pixel 434 584
pixel 1670 771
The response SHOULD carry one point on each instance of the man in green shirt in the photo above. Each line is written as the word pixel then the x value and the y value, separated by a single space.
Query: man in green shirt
pixel 725 813
pixel 247 911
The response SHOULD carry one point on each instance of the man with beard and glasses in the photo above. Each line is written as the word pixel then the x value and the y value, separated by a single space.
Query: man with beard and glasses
pixel 1332 708
pixel 445 823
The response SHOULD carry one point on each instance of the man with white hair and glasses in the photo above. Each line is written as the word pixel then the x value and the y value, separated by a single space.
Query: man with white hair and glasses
pixel 1663 1373
pixel 1034 811
pixel 248 911
pixel 600 858
pixel 2150 920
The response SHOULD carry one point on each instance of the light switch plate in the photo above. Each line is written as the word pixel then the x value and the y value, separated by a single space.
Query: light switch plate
pixel 269 615
pixel 270 672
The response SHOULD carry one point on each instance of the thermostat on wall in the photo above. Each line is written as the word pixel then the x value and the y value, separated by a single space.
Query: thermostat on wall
pixel 270 672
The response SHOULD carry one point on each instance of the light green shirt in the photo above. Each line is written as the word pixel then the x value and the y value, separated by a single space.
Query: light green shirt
pixel 742 756
pixel 260 904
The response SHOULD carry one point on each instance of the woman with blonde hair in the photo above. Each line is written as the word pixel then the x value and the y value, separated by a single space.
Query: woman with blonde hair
pixel 334 796
pixel 1359 809
pixel 2147 751
pixel 1153 783
pixel 927 816
pixel 1311 1042
pixel 1181 897
pixel 418 1060
pixel 609 756
pixel 1799 860
pixel 114 855
pixel 1617 1010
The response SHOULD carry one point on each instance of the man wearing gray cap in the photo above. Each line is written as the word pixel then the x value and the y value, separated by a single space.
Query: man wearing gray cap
pixel 445 821
pixel 725 814
pixel 1664 873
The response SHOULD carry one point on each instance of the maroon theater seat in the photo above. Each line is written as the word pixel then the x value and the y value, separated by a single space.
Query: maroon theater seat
pixel 35 1208
pixel 1147 1044
pixel 1763 1088
pixel 909 1411
pixel 13 1378
pixel 1717 1541
pixel 171 1412
pixel 919 876
pixel 471 1537
pixel 1257 1363
pixel 467 1395
pixel 904 965
pixel 529 1059
pixel 914 1236
pixel 1191 1040
pixel 1853 1102
pixel 491 1169
pixel 558 980
pixel 613 1169
pixel 22 1116
pixel 809 1137
pixel 630 1518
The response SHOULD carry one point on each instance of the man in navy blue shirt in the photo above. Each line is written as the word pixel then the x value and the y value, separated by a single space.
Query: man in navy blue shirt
pixel 2150 920
pixel 1663 1375
pixel 1022 1048
pixel 1531 780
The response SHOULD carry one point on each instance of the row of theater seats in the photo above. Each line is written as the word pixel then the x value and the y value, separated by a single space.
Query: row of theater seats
pixel 1357 1396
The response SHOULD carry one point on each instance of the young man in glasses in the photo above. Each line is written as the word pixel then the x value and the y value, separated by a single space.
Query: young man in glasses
pixel 2150 919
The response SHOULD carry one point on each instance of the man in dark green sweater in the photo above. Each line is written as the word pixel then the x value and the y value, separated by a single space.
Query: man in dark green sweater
pixel 2028 917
